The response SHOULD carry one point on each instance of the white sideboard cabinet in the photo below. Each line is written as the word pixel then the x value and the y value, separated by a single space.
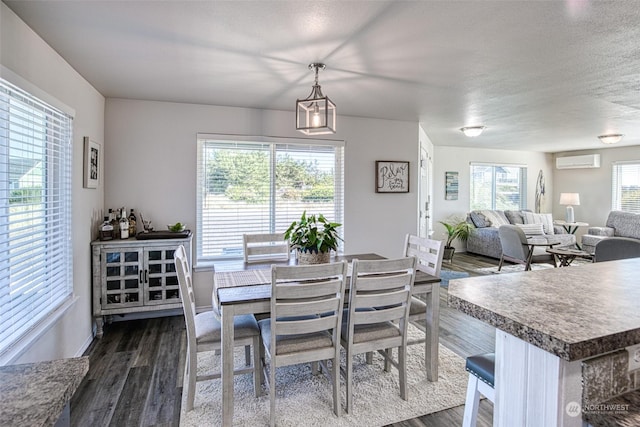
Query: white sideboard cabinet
pixel 131 276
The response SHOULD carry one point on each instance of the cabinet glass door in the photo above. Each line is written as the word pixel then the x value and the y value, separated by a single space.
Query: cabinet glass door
pixel 121 272
pixel 161 285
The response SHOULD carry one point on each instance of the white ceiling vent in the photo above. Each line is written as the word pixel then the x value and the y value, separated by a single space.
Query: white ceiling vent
pixel 578 162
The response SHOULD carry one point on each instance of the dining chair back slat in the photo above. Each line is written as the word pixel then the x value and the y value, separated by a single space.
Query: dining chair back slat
pixel 308 289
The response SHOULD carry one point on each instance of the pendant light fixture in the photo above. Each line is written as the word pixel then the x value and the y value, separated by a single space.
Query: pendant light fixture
pixel 316 114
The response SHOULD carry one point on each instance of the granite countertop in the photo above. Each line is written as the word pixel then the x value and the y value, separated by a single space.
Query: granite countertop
pixel 34 394
pixel 572 312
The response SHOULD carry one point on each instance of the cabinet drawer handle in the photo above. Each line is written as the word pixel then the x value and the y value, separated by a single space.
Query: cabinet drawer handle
pixel 146 276
pixel 141 272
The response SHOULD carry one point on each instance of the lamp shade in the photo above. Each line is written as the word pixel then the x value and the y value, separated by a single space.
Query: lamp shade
pixel 570 199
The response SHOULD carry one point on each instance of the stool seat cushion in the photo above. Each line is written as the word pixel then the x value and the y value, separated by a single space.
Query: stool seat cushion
pixel 482 366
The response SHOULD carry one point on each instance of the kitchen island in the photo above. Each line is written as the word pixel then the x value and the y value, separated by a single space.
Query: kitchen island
pixel 548 322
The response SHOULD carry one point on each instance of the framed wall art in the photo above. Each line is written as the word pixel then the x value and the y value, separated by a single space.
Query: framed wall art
pixel 451 185
pixel 392 176
pixel 92 154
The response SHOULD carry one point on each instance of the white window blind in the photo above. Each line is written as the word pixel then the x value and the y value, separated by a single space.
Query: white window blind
pixel 35 211
pixel 498 186
pixel 625 187
pixel 261 185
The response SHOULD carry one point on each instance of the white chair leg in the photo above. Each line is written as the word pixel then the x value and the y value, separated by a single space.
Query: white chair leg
pixel 472 402
pixel 402 372
pixel 272 395
pixel 192 371
pixel 349 372
pixel 257 366
pixel 387 359
pixel 335 374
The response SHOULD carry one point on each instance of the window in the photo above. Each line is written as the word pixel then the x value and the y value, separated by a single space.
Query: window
pixel 261 185
pixel 35 212
pixel 498 186
pixel 625 187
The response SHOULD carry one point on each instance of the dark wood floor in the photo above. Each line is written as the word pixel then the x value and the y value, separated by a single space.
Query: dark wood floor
pixel 136 369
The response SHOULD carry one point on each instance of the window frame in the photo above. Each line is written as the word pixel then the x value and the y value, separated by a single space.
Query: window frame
pixel 51 284
pixel 274 143
pixel 494 166
pixel 616 185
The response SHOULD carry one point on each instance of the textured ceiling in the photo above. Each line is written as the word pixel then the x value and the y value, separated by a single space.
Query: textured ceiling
pixel 541 75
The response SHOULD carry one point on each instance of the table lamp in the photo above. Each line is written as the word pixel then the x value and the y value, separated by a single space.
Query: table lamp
pixel 570 200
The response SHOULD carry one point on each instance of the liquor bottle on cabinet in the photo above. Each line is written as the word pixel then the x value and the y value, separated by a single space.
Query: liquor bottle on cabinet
pixel 124 225
pixel 115 224
pixel 132 224
pixel 106 229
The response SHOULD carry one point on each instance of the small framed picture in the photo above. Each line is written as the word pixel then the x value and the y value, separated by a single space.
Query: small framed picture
pixel 92 154
pixel 392 176
pixel 451 185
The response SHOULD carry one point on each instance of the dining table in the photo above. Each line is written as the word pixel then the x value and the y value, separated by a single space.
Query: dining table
pixel 245 288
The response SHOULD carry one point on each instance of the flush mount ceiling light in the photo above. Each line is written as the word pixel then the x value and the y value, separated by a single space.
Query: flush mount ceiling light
pixel 472 131
pixel 316 114
pixel 611 138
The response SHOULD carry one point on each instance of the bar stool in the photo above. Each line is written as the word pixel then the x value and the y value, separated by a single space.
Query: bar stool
pixel 481 369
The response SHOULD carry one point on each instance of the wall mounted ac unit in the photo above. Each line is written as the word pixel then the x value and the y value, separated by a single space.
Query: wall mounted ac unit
pixel 578 162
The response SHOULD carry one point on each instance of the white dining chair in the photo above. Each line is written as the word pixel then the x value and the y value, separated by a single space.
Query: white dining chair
pixel 259 247
pixel 306 311
pixel 204 333
pixel 429 255
pixel 378 315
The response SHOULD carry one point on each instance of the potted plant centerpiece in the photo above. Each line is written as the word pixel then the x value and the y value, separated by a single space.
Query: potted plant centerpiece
pixel 313 237
pixel 456 229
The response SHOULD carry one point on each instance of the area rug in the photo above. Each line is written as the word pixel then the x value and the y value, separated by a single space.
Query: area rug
pixel 306 400
pixel 446 275
pixel 513 268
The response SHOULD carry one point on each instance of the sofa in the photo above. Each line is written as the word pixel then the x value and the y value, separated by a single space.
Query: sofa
pixel 484 240
pixel 619 224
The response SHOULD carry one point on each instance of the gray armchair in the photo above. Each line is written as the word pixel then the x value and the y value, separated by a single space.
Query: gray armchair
pixel 516 248
pixel 617 248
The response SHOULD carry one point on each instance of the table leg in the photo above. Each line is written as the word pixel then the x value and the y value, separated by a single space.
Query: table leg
pixel 432 333
pixel 226 314
pixel 572 230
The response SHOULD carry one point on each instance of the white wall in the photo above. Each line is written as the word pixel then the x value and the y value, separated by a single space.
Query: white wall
pixel 151 160
pixel 457 159
pixel 27 55
pixel 593 185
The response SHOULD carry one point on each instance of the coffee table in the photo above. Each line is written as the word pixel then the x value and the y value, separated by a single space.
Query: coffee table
pixel 566 256
pixel 571 227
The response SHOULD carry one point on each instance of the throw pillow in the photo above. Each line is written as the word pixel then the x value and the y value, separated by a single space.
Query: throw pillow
pixel 545 219
pixel 514 217
pixel 532 229
pixel 479 220
pixel 496 218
